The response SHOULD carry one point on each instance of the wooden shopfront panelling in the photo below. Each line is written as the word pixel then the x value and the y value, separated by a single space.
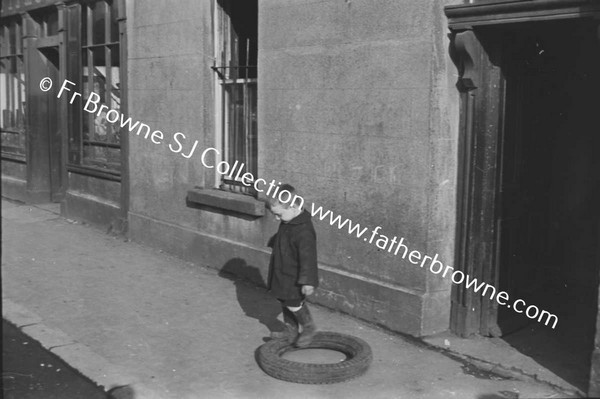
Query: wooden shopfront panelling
pixel 12 7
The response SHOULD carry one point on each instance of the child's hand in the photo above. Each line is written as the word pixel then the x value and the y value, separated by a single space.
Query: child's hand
pixel 308 289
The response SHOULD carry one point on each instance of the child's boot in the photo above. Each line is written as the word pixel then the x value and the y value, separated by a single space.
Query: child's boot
pixel 309 329
pixel 290 333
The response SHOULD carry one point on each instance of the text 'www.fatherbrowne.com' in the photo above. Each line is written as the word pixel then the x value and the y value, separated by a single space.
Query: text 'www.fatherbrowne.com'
pixel 396 246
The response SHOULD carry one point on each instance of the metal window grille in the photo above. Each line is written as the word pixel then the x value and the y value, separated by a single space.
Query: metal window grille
pixel 236 72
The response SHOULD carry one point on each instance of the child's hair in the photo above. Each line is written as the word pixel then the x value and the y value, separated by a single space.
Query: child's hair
pixel 286 196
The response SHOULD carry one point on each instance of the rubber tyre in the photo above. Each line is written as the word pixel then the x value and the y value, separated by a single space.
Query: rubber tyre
pixel 358 352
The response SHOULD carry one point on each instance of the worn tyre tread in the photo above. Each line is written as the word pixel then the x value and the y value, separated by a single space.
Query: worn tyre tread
pixel 358 352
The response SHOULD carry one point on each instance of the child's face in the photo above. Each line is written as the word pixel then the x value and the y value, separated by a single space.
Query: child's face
pixel 283 214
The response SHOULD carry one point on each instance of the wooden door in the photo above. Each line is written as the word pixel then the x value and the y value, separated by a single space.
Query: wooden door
pixel 50 114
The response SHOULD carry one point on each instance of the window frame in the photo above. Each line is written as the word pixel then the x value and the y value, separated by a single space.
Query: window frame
pixel 229 72
pixel 78 45
pixel 16 153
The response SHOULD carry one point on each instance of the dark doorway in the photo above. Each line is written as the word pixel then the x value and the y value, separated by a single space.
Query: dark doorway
pixel 548 214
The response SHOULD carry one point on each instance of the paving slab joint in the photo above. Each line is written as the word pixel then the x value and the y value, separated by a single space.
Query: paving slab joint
pixel 51 348
pixel 510 372
pixel 21 327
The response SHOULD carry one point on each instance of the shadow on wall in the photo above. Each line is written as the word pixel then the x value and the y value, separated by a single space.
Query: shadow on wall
pixel 254 301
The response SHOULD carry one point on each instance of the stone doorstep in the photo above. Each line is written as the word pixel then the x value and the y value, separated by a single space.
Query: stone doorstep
pixel 493 357
pixel 77 355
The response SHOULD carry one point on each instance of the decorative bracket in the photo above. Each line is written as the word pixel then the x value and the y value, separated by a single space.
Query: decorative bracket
pixel 464 50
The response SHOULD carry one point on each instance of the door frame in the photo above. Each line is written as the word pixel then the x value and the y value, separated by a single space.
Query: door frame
pixel 56 132
pixel 482 89
pixel 40 144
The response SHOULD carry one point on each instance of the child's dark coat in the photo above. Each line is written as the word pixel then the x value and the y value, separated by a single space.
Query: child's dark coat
pixel 294 258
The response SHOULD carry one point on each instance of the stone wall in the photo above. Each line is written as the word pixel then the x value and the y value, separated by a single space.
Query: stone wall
pixel 356 108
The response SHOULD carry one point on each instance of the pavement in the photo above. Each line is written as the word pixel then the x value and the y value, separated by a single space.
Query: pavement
pixel 133 318
pixel 29 371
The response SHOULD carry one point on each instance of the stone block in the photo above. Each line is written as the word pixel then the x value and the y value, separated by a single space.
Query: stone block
pixel 94 366
pixel 48 337
pixel 17 314
pixel 227 201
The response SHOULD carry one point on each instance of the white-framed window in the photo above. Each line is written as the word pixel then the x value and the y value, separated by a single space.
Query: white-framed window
pixel 235 68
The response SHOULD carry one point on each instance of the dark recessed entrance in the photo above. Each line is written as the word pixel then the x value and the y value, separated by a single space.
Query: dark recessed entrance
pixel 548 191
pixel 529 178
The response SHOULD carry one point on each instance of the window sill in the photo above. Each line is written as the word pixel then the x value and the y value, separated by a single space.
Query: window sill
pixel 226 201
pixel 95 172
pixel 10 156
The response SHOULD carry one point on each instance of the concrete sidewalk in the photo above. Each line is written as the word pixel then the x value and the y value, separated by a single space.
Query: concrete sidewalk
pixel 124 314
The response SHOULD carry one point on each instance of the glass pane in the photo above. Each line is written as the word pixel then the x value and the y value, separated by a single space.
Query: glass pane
pixel 11 89
pixel 115 92
pixel 114 23
pixel 94 155
pixel 12 105
pixel 113 157
pixel 15 89
pixel 101 156
pixel 115 71
pixel 234 123
pixel 99 16
pixel 100 72
pixel 240 124
pixel 52 23
pixel 3 93
pixel 12 37
pixel 10 142
pixel 85 82
pixel 84 19
pixel 240 34
pixel 18 38
pixel 21 95
pixel 252 129
pixel 3 41
pixel 100 122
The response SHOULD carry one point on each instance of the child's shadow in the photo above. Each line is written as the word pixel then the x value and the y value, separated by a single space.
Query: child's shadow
pixel 254 301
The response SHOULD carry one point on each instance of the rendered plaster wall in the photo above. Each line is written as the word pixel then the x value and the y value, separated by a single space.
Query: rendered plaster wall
pixel 356 108
pixel 169 81
pixel 171 88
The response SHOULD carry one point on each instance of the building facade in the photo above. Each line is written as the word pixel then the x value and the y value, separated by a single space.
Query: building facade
pixel 52 150
pixel 451 132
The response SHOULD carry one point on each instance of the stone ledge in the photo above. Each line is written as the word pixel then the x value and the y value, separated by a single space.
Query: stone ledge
pixel 224 200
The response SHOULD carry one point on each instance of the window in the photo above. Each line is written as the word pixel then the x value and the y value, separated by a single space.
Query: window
pixel 236 51
pixel 94 141
pixel 12 89
pixel 47 20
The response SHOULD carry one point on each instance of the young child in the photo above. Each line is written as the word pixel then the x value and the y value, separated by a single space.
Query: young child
pixel 293 272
